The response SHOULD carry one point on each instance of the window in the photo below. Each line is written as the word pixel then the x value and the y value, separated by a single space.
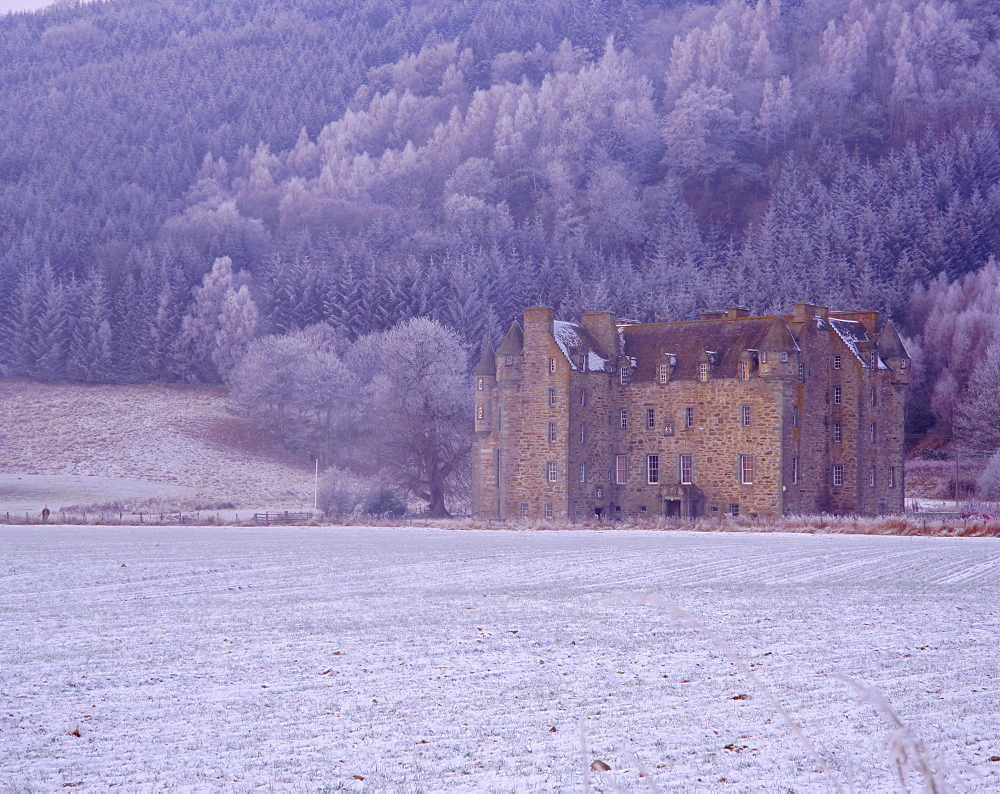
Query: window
pixel 892 477
pixel 703 371
pixel 746 469
pixel 624 375
pixel 479 384
pixel 583 471
pixel 874 359
pixel 837 362
pixel 552 432
pixel 650 418
pixel 838 395
pixel 784 357
pixel 621 469
pixel 746 416
pixel 873 398
pixel 480 412
pixel 838 475
pixel 744 370
pixel 550 471
pixel 795 471
pixel 623 418
pixel 802 373
pixel 524 509
pixel 583 397
pixel 552 365
pixel 664 373
pixel 902 363
pixel 583 434
pixel 795 416
pixel 652 469
pixel 689 416
pixel 508 360
pixel 873 433
pixel 549 512
pixel 762 355
pixel 734 509
pixel 668 428
pixel 498 469
pixel 552 396
pixel 686 469
pixel 838 432
pixel 871 476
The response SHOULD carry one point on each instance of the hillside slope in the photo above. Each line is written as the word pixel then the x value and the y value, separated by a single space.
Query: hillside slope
pixel 90 444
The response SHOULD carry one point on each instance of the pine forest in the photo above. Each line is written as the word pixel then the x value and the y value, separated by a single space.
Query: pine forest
pixel 183 179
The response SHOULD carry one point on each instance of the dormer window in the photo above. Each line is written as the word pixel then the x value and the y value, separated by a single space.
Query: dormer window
pixel 874 360
pixel 763 356
pixel 902 363
pixel 664 373
pixel 784 357
pixel 745 370
pixel 552 365
pixel 703 371
pixel 479 384
pixel 624 375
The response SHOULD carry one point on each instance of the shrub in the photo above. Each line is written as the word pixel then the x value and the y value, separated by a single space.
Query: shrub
pixel 988 485
pixel 339 494
pixel 385 503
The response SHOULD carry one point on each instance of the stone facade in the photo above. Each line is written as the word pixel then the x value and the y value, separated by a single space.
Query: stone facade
pixel 730 414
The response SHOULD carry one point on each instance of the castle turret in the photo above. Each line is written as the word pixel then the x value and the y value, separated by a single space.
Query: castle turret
pixel 485 383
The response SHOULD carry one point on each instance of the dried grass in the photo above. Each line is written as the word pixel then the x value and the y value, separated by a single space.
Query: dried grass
pixel 908 524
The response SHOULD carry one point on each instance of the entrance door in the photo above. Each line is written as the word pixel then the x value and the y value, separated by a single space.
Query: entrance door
pixel 672 508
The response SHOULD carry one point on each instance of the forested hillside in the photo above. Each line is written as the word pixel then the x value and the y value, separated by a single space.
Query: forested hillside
pixel 179 177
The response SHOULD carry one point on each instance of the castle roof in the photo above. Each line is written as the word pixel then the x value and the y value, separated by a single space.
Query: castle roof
pixel 852 333
pixel 513 342
pixel 723 341
pixel 487 365
pixel 889 343
pixel 575 341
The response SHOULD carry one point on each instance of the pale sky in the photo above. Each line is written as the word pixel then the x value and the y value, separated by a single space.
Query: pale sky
pixel 22 5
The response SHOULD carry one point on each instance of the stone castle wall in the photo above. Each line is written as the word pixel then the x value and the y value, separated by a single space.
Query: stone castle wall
pixel 538 411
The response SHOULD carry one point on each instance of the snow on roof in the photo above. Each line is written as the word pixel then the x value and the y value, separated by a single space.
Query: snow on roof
pixel 570 335
pixel 851 332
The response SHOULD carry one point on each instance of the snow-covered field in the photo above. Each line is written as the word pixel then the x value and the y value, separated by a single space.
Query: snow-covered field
pixel 416 659
pixel 69 444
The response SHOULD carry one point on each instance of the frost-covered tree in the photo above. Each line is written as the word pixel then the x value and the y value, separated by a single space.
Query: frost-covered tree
pixel 977 420
pixel 237 329
pixel 419 412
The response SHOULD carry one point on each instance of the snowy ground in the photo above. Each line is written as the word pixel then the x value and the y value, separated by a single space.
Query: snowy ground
pixel 141 445
pixel 414 659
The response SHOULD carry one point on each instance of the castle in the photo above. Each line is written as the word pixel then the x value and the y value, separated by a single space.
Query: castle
pixel 729 414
